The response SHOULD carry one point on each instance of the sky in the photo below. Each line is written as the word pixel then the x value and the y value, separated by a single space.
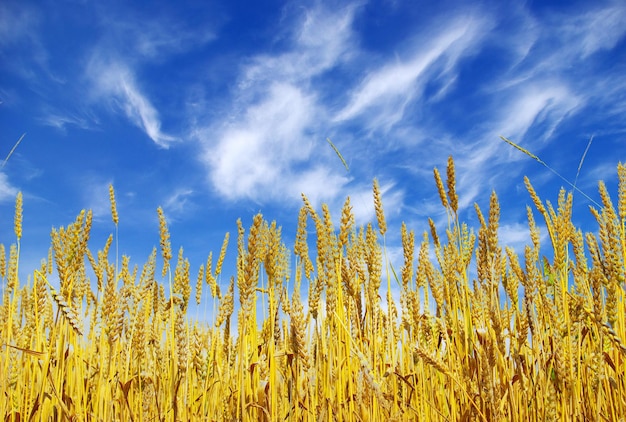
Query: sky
pixel 220 110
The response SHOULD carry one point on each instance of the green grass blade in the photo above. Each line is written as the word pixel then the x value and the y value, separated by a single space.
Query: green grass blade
pixel 540 161
pixel 343 161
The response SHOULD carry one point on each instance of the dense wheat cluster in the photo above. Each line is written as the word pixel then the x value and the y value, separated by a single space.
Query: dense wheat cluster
pixel 479 332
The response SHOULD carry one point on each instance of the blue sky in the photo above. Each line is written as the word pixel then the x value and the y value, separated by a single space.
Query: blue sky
pixel 219 110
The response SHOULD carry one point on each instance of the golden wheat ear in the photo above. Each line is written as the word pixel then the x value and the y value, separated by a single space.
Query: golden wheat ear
pixel 68 312
pixel 543 163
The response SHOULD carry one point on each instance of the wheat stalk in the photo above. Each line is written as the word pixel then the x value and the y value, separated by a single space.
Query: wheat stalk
pixel 485 349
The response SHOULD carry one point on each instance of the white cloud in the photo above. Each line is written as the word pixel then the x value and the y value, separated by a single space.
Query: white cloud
pixel 319 184
pixel 266 149
pixel 535 109
pixel 155 40
pixel 7 191
pixel 384 93
pixel 323 39
pixel 515 236
pixel 363 203
pixel 538 91
pixel 147 38
pixel 255 157
pixel 178 201
pixel 548 102
pixel 20 26
pixel 61 121
pixel 284 104
pixel 603 171
pixel 115 82
pixel 96 198
pixel 596 30
pixel 16 24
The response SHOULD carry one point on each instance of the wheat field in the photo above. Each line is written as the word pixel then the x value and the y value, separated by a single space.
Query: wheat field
pixel 479 333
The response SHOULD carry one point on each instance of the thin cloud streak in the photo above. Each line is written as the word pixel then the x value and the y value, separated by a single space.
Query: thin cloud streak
pixel 142 37
pixel 178 202
pixel 95 196
pixel 321 39
pixel 20 31
pixel 63 121
pixel 596 30
pixel 391 87
pixel 115 82
pixel 536 104
pixel 16 24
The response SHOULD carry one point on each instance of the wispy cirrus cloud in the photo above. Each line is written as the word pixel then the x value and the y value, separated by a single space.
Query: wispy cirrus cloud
pixel 62 121
pixel 19 30
pixel 547 81
pixel 16 23
pixel 545 104
pixel 115 82
pixel 264 149
pixel 178 202
pixel 7 191
pixel 131 43
pixel 143 37
pixel 319 40
pixel 596 29
pixel 95 197
pixel 155 40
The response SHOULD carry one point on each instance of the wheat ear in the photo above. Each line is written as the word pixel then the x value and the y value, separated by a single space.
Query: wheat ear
pixel 543 163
